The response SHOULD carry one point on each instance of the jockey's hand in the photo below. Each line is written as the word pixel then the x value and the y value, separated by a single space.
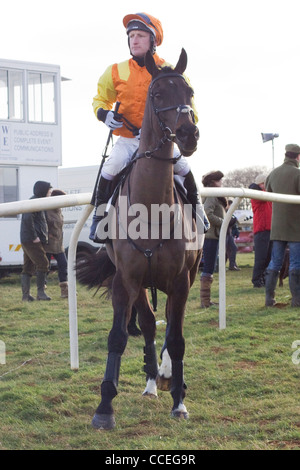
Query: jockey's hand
pixel 112 120
pixel 139 134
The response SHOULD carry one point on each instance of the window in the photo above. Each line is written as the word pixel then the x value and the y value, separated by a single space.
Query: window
pixel 41 97
pixel 8 184
pixel 11 94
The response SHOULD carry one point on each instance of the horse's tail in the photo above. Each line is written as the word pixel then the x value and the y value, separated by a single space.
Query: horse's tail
pixel 95 270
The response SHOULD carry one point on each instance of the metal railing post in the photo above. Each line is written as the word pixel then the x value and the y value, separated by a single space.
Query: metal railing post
pixel 222 263
pixel 73 323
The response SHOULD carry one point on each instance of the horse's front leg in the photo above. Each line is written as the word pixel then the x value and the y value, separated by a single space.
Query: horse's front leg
pixel 176 344
pixel 148 327
pixel 117 340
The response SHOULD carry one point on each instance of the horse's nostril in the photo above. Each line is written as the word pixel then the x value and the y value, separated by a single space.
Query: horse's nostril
pixel 183 133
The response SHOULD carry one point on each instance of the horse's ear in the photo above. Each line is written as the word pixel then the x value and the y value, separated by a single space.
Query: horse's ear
pixel 151 65
pixel 182 62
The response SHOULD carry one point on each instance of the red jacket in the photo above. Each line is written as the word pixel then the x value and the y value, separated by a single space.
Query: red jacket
pixel 262 215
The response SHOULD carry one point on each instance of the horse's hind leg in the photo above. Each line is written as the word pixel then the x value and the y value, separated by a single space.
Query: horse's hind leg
pixel 117 340
pixel 148 327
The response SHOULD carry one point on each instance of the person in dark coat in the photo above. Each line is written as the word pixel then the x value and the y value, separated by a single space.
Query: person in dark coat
pixel 285 227
pixel 215 209
pixel 231 248
pixel 34 237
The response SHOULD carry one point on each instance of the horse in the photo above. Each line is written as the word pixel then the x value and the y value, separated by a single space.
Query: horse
pixel 130 266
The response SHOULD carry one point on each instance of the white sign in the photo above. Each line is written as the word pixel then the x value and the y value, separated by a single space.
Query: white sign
pixel 30 144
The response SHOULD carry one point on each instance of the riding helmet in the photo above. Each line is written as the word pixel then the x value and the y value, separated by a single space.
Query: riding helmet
pixel 144 22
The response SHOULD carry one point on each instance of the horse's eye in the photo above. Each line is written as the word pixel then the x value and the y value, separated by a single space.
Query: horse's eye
pixel 157 96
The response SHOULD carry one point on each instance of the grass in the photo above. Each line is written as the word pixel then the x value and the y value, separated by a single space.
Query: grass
pixel 243 388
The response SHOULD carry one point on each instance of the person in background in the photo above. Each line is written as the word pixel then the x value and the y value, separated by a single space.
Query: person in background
pixel 34 237
pixel 55 246
pixel 215 209
pixel 262 218
pixel 127 83
pixel 231 248
pixel 285 227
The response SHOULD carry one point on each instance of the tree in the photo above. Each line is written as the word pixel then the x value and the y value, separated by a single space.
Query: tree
pixel 242 178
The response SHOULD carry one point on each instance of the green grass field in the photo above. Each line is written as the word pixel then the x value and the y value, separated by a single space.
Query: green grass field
pixel 243 387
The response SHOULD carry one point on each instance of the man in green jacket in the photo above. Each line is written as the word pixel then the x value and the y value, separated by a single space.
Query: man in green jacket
pixel 285 229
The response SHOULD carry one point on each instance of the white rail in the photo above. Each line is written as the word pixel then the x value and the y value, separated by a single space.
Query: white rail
pixel 18 207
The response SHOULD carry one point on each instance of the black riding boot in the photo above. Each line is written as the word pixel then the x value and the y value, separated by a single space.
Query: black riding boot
pixel 193 197
pixel 103 194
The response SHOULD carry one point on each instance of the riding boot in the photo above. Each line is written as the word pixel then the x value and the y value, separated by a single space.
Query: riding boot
pixel 132 328
pixel 205 287
pixel 64 291
pixel 294 282
pixel 104 191
pixel 25 283
pixel 271 278
pixel 40 282
pixel 193 197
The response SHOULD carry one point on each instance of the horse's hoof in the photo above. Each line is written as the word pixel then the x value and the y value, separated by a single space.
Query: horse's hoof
pixel 151 389
pixel 179 414
pixel 163 383
pixel 149 395
pixel 103 421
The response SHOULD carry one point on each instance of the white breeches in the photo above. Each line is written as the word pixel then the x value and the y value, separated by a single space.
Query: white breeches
pixel 122 152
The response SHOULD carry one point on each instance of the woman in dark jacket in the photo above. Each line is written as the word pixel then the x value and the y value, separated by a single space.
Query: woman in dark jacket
pixel 34 237
pixel 55 245
pixel 215 209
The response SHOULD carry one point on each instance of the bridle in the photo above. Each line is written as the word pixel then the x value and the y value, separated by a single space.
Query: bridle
pixel 168 134
pixel 180 108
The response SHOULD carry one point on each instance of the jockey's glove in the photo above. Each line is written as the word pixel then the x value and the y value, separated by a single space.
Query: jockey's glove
pixel 113 121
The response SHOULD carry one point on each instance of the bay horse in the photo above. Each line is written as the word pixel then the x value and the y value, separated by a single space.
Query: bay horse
pixel 134 265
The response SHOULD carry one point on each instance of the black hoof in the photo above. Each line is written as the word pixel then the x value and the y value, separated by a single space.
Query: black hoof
pixel 103 421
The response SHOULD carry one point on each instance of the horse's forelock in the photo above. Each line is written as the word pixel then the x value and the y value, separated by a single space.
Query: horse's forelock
pixel 166 69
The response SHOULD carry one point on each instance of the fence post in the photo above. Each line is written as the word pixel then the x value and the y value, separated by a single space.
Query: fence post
pixel 222 263
pixel 73 324
pixel 2 353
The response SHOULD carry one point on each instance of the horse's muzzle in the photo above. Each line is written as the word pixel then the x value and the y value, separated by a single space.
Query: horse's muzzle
pixel 187 138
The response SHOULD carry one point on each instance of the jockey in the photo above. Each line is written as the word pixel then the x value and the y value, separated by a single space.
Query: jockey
pixel 127 83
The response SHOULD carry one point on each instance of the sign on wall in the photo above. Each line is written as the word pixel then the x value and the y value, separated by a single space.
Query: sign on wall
pixel 30 144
